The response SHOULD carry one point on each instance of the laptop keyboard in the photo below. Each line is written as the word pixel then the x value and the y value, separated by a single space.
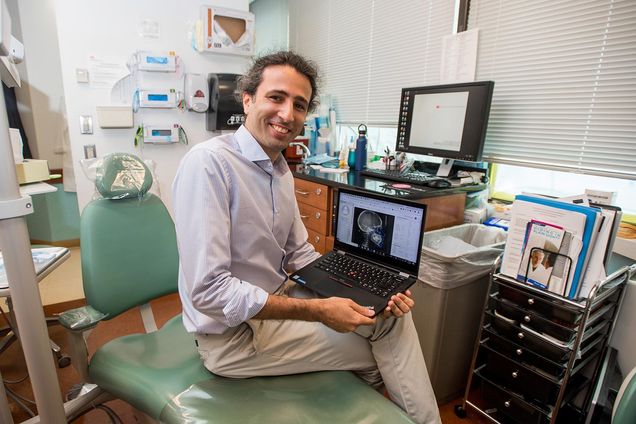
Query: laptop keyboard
pixel 354 273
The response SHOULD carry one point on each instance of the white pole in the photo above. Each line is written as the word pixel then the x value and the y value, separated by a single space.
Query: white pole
pixel 27 304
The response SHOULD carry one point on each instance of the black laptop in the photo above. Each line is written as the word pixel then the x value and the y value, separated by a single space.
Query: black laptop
pixel 376 250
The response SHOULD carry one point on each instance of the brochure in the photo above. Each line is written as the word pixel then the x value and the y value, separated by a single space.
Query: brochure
pixel 541 246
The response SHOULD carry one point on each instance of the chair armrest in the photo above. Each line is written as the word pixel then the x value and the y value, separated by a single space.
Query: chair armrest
pixel 81 319
pixel 78 322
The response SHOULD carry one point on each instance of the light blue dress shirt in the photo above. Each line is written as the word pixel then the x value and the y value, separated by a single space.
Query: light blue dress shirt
pixel 238 231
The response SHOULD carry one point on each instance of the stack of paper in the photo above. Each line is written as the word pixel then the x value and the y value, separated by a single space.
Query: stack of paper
pixel 559 245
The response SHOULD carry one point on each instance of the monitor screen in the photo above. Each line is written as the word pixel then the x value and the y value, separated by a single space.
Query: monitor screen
pixel 447 121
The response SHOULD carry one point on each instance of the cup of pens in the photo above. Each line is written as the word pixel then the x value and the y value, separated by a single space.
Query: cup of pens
pixel 390 164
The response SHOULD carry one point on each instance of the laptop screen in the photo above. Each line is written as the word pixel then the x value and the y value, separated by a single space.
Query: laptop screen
pixel 380 228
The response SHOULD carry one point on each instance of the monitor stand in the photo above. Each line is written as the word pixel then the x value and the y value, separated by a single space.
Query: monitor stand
pixel 445 167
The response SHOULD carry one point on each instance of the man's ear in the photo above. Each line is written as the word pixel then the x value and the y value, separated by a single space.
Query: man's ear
pixel 247 103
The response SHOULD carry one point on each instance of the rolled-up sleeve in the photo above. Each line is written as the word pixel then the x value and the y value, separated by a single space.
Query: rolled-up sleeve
pixel 201 193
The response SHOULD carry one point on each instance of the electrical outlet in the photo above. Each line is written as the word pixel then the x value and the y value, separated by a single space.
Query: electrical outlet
pixel 89 151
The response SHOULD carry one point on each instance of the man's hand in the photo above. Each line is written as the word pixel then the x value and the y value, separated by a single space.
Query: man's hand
pixel 399 305
pixel 344 315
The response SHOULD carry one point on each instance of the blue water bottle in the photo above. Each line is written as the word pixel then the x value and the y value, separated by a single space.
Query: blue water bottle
pixel 361 148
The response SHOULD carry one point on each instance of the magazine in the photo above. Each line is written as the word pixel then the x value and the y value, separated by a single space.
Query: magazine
pixel 541 245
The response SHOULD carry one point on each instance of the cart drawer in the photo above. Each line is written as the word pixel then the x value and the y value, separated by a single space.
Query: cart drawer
pixel 522 354
pixel 535 321
pixel 549 309
pixel 519 378
pixel 499 402
pixel 528 340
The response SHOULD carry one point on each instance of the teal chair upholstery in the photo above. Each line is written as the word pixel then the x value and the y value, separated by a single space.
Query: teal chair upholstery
pixel 624 411
pixel 129 257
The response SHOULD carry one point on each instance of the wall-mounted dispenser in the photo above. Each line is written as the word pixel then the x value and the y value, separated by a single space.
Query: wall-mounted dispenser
pixel 196 92
pixel 224 112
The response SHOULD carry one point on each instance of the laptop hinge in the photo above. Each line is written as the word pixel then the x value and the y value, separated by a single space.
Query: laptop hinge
pixel 404 274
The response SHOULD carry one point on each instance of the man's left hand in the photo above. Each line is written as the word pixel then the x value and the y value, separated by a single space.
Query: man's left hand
pixel 399 305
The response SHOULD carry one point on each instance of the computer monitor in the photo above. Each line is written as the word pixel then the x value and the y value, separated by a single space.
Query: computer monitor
pixel 446 121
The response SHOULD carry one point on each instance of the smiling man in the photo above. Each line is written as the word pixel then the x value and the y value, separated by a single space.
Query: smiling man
pixel 239 234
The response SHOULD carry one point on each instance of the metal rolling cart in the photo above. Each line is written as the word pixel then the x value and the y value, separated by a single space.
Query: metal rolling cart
pixel 538 355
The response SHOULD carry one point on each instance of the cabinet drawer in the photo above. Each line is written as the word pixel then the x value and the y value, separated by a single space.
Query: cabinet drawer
pixel 313 194
pixel 314 218
pixel 317 240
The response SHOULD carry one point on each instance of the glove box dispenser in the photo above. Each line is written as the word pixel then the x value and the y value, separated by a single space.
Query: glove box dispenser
pixel 224 111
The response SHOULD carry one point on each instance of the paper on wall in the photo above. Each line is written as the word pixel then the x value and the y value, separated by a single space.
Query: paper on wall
pixel 459 57
pixel 105 71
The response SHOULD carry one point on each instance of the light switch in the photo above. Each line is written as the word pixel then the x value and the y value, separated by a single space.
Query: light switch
pixel 81 75
pixel 86 124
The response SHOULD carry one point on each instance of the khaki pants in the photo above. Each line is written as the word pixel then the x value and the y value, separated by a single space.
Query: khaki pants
pixel 385 354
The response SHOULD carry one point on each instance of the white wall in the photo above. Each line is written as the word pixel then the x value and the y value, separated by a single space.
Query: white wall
pixel 111 28
pixel 41 97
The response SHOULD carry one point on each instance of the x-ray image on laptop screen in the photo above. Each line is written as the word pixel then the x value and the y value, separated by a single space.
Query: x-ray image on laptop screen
pixel 381 227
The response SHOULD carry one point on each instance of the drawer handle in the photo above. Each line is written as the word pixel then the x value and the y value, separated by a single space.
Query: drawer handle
pixel 531 301
pixel 317 215
pixel 318 192
pixel 507 404
pixel 304 216
pixel 521 335
pixel 515 374
pixel 519 352
pixel 317 239
pixel 526 318
pixel 302 193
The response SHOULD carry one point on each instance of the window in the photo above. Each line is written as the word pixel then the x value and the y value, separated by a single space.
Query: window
pixel 511 180
pixel 368 50
pixel 565 83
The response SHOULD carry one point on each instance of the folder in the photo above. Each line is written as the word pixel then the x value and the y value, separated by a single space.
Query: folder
pixel 602 248
pixel 581 221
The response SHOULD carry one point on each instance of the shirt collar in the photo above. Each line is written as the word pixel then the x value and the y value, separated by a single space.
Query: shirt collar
pixel 252 151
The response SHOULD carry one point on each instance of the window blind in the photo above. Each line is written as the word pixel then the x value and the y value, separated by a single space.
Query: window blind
pixel 368 50
pixel 565 83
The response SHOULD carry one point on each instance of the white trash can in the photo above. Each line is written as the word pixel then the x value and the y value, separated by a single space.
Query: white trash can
pixel 454 272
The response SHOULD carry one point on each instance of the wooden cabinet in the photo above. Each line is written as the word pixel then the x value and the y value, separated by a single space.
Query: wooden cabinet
pixel 444 211
pixel 315 205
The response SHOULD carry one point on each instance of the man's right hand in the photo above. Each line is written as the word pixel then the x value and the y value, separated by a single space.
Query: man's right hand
pixel 344 315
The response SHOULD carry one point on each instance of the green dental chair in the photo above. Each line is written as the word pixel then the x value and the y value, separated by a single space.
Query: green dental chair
pixel 129 257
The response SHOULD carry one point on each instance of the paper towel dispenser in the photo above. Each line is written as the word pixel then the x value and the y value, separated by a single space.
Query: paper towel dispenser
pixel 224 112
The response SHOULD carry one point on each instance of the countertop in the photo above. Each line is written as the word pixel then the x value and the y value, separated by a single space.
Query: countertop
pixel 354 179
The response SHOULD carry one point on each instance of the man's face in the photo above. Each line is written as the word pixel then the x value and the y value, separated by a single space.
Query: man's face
pixel 276 113
pixel 537 257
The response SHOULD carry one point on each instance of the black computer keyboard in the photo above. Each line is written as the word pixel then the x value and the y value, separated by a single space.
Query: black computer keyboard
pixel 352 272
pixel 410 177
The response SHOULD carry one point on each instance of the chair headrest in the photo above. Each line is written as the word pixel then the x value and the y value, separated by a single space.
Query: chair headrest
pixel 122 176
